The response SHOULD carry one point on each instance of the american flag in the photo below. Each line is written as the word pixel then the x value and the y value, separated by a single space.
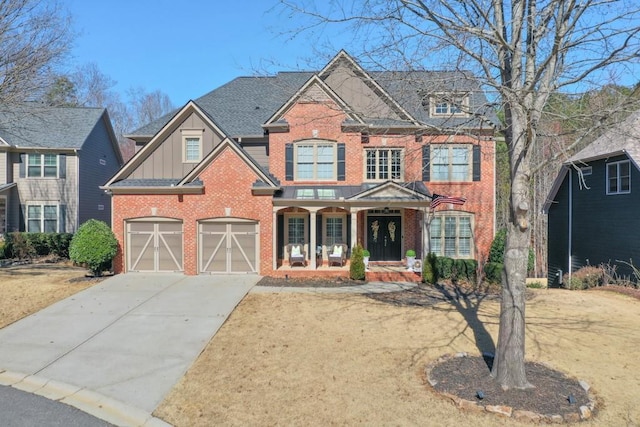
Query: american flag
pixel 437 199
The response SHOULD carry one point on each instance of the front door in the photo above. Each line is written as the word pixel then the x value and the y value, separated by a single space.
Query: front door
pixel 383 238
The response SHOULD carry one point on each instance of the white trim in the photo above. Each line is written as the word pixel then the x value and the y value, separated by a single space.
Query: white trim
pixel 450 147
pixel 41 204
pixel 192 134
pixel 315 143
pixel 42 166
pixel 618 163
pixel 449 98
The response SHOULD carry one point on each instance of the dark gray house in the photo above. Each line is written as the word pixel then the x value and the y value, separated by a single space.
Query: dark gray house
pixel 594 205
pixel 52 162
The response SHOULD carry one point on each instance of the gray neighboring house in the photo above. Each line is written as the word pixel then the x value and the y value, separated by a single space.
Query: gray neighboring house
pixel 52 162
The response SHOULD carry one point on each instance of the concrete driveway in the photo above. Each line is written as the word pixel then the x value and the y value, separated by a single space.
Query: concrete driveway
pixel 130 338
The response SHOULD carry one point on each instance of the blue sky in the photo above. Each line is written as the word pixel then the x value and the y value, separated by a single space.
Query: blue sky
pixel 183 48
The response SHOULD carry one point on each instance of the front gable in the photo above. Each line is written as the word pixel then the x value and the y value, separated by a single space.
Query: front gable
pixel 358 89
pixel 390 190
pixel 168 155
pixel 314 91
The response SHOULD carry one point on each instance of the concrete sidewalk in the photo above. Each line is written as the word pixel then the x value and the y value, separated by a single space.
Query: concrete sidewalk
pixel 129 338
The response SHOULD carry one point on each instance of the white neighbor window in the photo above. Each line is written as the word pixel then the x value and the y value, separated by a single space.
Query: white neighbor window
pixel 619 177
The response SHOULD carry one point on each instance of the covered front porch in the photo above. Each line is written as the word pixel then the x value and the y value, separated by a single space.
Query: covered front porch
pixel 310 222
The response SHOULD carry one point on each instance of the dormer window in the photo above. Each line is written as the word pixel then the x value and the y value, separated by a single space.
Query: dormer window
pixel 191 146
pixel 452 104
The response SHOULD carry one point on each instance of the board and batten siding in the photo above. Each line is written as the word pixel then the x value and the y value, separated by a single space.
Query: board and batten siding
pixel 605 228
pixel 558 236
pixel 166 160
pixel 98 163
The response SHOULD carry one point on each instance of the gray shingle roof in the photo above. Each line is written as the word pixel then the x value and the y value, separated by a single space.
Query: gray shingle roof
pixel 241 106
pixel 348 191
pixel 623 138
pixel 38 126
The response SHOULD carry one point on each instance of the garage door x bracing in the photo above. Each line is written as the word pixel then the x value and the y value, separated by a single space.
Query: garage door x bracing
pixel 228 246
pixel 155 246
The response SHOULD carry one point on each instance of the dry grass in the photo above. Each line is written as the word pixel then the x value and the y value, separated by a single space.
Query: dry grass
pixel 293 359
pixel 26 289
pixel 284 359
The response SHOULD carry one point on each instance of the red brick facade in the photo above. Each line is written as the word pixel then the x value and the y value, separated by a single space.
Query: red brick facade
pixel 229 183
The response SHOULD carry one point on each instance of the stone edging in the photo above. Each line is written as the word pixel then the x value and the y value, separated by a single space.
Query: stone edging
pixel 584 412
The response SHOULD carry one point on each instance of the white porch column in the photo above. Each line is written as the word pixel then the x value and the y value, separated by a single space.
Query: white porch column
pixel 312 239
pixel 274 240
pixel 354 227
pixel 425 232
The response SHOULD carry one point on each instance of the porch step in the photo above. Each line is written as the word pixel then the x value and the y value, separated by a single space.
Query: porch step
pixel 388 272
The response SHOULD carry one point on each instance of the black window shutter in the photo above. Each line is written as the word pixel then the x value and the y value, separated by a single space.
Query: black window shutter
pixel 62 218
pixel 23 165
pixel 348 237
pixel 341 162
pixel 319 241
pixel 62 165
pixel 426 166
pixel 280 236
pixel 476 163
pixel 22 218
pixel 288 162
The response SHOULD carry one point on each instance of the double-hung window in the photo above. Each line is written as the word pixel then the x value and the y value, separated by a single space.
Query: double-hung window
pixel 42 218
pixel 42 165
pixel 334 230
pixel 296 229
pixel 315 161
pixel 191 146
pixel 451 236
pixel 451 162
pixel 619 177
pixel 383 164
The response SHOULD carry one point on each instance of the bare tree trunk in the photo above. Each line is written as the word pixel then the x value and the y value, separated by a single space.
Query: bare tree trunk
pixel 509 362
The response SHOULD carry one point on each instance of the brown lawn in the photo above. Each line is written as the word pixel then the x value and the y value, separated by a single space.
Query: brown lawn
pixel 26 289
pixel 300 359
pixel 294 359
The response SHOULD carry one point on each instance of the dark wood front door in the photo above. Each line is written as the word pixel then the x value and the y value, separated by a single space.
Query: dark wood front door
pixel 383 238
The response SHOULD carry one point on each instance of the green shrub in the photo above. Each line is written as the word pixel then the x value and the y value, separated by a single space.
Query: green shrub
pixel 496 253
pixel 429 269
pixel 584 278
pixel 356 268
pixel 493 272
pixel 94 245
pixel 366 253
pixel 39 242
pixel 444 267
pixel 536 285
pixel 59 244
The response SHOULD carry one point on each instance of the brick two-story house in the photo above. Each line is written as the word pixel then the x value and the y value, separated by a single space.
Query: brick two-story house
pixel 341 155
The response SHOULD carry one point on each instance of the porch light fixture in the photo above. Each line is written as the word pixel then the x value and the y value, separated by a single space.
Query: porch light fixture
pixel 386 210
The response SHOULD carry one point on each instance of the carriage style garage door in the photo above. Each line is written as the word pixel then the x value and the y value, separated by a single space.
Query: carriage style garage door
pixel 228 246
pixel 154 246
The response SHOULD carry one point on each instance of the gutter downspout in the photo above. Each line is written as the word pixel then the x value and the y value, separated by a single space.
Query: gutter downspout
pixel 570 220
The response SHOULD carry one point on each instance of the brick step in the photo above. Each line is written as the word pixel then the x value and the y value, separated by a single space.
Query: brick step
pixel 393 276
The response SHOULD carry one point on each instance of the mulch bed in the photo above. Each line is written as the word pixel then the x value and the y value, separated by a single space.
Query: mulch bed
pixel 309 282
pixel 468 377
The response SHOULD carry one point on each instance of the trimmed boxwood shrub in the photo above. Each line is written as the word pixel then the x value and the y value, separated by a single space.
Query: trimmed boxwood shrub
pixel 94 245
pixel 493 272
pixel 429 269
pixel 356 268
